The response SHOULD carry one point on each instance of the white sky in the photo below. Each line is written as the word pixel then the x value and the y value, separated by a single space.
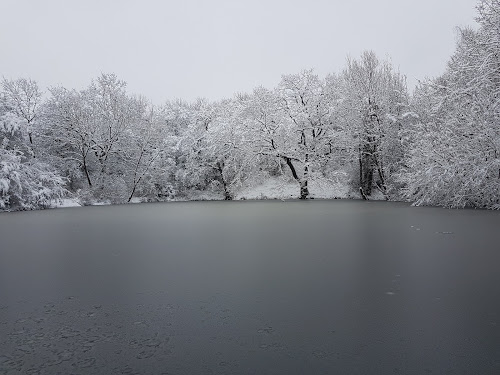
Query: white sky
pixel 194 48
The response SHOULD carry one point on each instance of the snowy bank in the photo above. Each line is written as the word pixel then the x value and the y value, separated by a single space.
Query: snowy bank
pixel 279 188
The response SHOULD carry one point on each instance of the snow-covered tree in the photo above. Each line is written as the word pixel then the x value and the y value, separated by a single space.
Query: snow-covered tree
pixel 115 114
pixel 292 125
pixel 143 153
pixel 69 128
pixel 308 113
pixel 455 154
pixel 93 134
pixel 184 123
pixel 375 102
pixel 218 157
pixel 25 183
pixel 266 135
pixel 23 98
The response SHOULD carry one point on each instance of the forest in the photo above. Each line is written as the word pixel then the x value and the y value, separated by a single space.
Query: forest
pixel 439 145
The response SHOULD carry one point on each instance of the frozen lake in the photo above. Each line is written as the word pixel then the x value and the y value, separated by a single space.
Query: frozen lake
pixel 303 287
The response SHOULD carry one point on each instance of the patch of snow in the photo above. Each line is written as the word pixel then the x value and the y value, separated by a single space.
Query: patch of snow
pixel 200 195
pixel 377 195
pixel 66 202
pixel 327 189
pixel 273 188
pixel 282 188
pixel 103 203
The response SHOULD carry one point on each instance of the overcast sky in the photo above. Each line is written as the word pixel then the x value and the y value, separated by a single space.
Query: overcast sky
pixel 194 48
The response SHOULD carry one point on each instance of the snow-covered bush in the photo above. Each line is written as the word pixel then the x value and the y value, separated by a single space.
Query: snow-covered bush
pixel 27 185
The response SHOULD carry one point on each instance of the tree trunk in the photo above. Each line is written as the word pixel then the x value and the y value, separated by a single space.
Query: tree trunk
pixel 86 172
pixel 304 190
pixel 365 171
pixel 227 194
pixel 292 168
pixel 132 193
pixel 367 177
pixel 32 150
pixel 381 175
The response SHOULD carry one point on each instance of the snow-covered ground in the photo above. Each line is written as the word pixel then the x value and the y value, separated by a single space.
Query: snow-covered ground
pixel 75 202
pixel 200 195
pixel 261 188
pixel 279 188
pixel 66 202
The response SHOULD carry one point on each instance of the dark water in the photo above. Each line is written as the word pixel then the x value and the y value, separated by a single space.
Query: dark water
pixel 316 287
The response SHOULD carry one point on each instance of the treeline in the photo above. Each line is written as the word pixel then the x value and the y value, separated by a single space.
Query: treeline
pixel 440 146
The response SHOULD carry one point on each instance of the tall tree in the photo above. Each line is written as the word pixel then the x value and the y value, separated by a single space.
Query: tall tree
pixel 92 131
pixel 218 149
pixel 25 183
pixel 23 97
pixel 455 158
pixel 292 124
pixel 147 144
pixel 70 127
pixel 376 99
